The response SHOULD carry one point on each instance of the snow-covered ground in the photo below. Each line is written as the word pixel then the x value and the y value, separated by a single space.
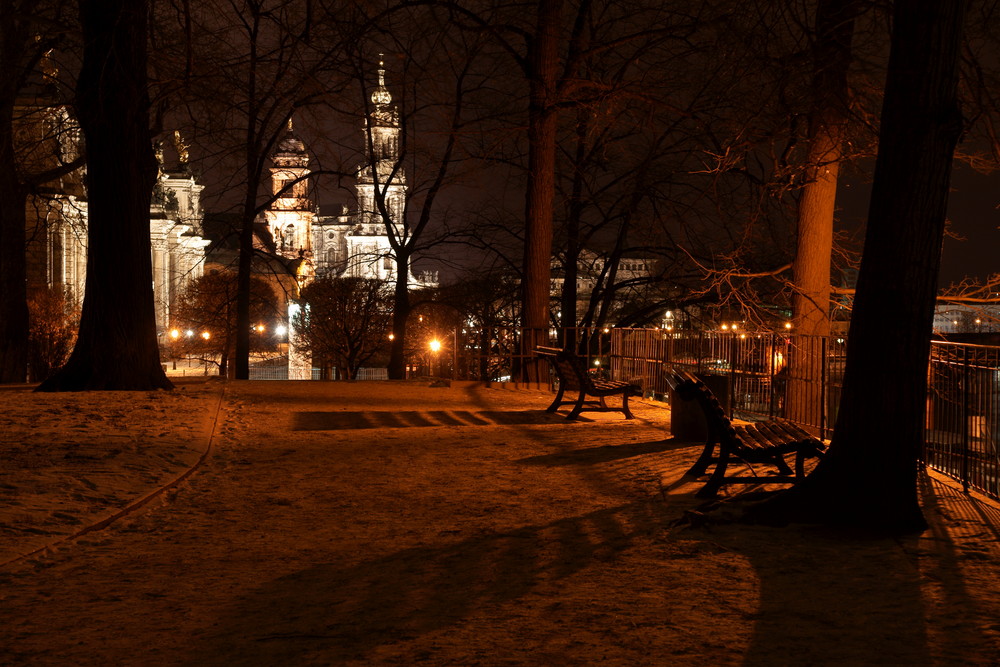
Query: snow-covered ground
pixel 396 523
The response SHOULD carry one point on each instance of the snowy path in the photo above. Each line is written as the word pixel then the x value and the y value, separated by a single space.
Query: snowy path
pixel 467 526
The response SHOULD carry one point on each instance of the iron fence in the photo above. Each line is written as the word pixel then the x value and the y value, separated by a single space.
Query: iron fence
pixel 800 378
pixel 506 355
pixel 963 406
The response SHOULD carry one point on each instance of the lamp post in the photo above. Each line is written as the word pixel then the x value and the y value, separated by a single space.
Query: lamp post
pixel 435 347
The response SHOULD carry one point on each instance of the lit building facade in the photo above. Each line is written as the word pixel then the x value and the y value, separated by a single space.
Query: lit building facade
pixel 348 244
pixel 58 217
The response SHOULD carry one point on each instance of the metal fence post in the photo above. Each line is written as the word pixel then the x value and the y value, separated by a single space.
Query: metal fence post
pixel 965 419
pixel 823 400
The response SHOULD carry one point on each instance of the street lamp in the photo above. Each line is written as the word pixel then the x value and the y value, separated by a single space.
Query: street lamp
pixel 435 347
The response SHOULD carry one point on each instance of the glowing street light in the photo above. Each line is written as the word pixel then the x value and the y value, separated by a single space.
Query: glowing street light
pixel 435 345
pixel 206 335
pixel 175 333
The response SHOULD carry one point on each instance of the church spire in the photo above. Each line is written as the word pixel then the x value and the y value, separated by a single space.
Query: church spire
pixel 381 96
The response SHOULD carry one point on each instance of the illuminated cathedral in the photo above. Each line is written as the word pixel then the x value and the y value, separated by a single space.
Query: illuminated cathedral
pixel 349 244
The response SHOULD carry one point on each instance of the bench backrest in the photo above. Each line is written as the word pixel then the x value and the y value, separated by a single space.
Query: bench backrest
pixel 690 388
pixel 567 365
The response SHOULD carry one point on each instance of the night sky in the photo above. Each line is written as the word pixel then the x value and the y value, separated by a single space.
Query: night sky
pixel 974 214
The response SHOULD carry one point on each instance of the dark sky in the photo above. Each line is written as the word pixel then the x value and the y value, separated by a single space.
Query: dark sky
pixel 973 213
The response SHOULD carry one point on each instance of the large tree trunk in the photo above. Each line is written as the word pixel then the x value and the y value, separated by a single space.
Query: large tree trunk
pixel 16 55
pixel 543 123
pixel 244 270
pixel 13 263
pixel 571 266
pixel 811 301
pixel 869 477
pixel 117 347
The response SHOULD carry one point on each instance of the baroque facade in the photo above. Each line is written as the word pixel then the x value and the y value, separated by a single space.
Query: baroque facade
pixel 58 220
pixel 348 244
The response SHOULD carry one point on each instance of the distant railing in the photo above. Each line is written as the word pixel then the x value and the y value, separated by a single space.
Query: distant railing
pixel 800 378
pixel 505 354
pixel 963 415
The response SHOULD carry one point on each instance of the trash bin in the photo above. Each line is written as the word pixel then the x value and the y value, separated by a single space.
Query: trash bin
pixel 687 420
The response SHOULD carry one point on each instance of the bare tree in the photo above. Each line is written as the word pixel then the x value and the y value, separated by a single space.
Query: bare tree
pixel 252 65
pixel 55 318
pixel 345 321
pixel 207 308
pixel 117 347
pixel 29 30
pixel 869 476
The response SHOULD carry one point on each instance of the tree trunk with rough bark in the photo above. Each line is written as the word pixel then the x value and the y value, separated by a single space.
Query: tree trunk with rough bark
pixel 869 476
pixel 811 269
pixel 543 123
pixel 400 315
pixel 13 263
pixel 117 347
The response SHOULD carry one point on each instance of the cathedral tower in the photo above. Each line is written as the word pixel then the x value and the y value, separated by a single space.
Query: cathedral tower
pixel 290 217
pixel 370 251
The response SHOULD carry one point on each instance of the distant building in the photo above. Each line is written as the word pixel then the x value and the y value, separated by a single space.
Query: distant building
pixel 58 220
pixel 349 244
pixel 633 277
pixel 957 318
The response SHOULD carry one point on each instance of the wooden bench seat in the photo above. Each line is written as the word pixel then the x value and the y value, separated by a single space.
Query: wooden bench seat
pixel 759 442
pixel 574 377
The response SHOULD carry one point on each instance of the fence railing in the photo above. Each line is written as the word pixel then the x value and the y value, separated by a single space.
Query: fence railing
pixel 963 415
pixel 505 355
pixel 800 378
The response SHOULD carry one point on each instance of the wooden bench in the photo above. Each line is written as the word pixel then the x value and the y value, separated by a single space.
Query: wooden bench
pixel 759 442
pixel 574 376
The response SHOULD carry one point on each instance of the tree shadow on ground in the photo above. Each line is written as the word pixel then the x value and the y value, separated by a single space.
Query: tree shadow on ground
pixel 835 597
pixel 374 419
pixel 828 598
pixel 339 613
pixel 605 453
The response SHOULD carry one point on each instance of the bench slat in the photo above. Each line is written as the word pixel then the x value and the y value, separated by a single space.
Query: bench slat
pixel 574 376
pixel 757 442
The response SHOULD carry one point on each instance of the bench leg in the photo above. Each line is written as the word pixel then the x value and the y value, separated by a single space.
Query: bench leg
pixel 800 458
pixel 701 465
pixel 628 413
pixel 718 478
pixel 556 403
pixel 779 462
pixel 578 408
